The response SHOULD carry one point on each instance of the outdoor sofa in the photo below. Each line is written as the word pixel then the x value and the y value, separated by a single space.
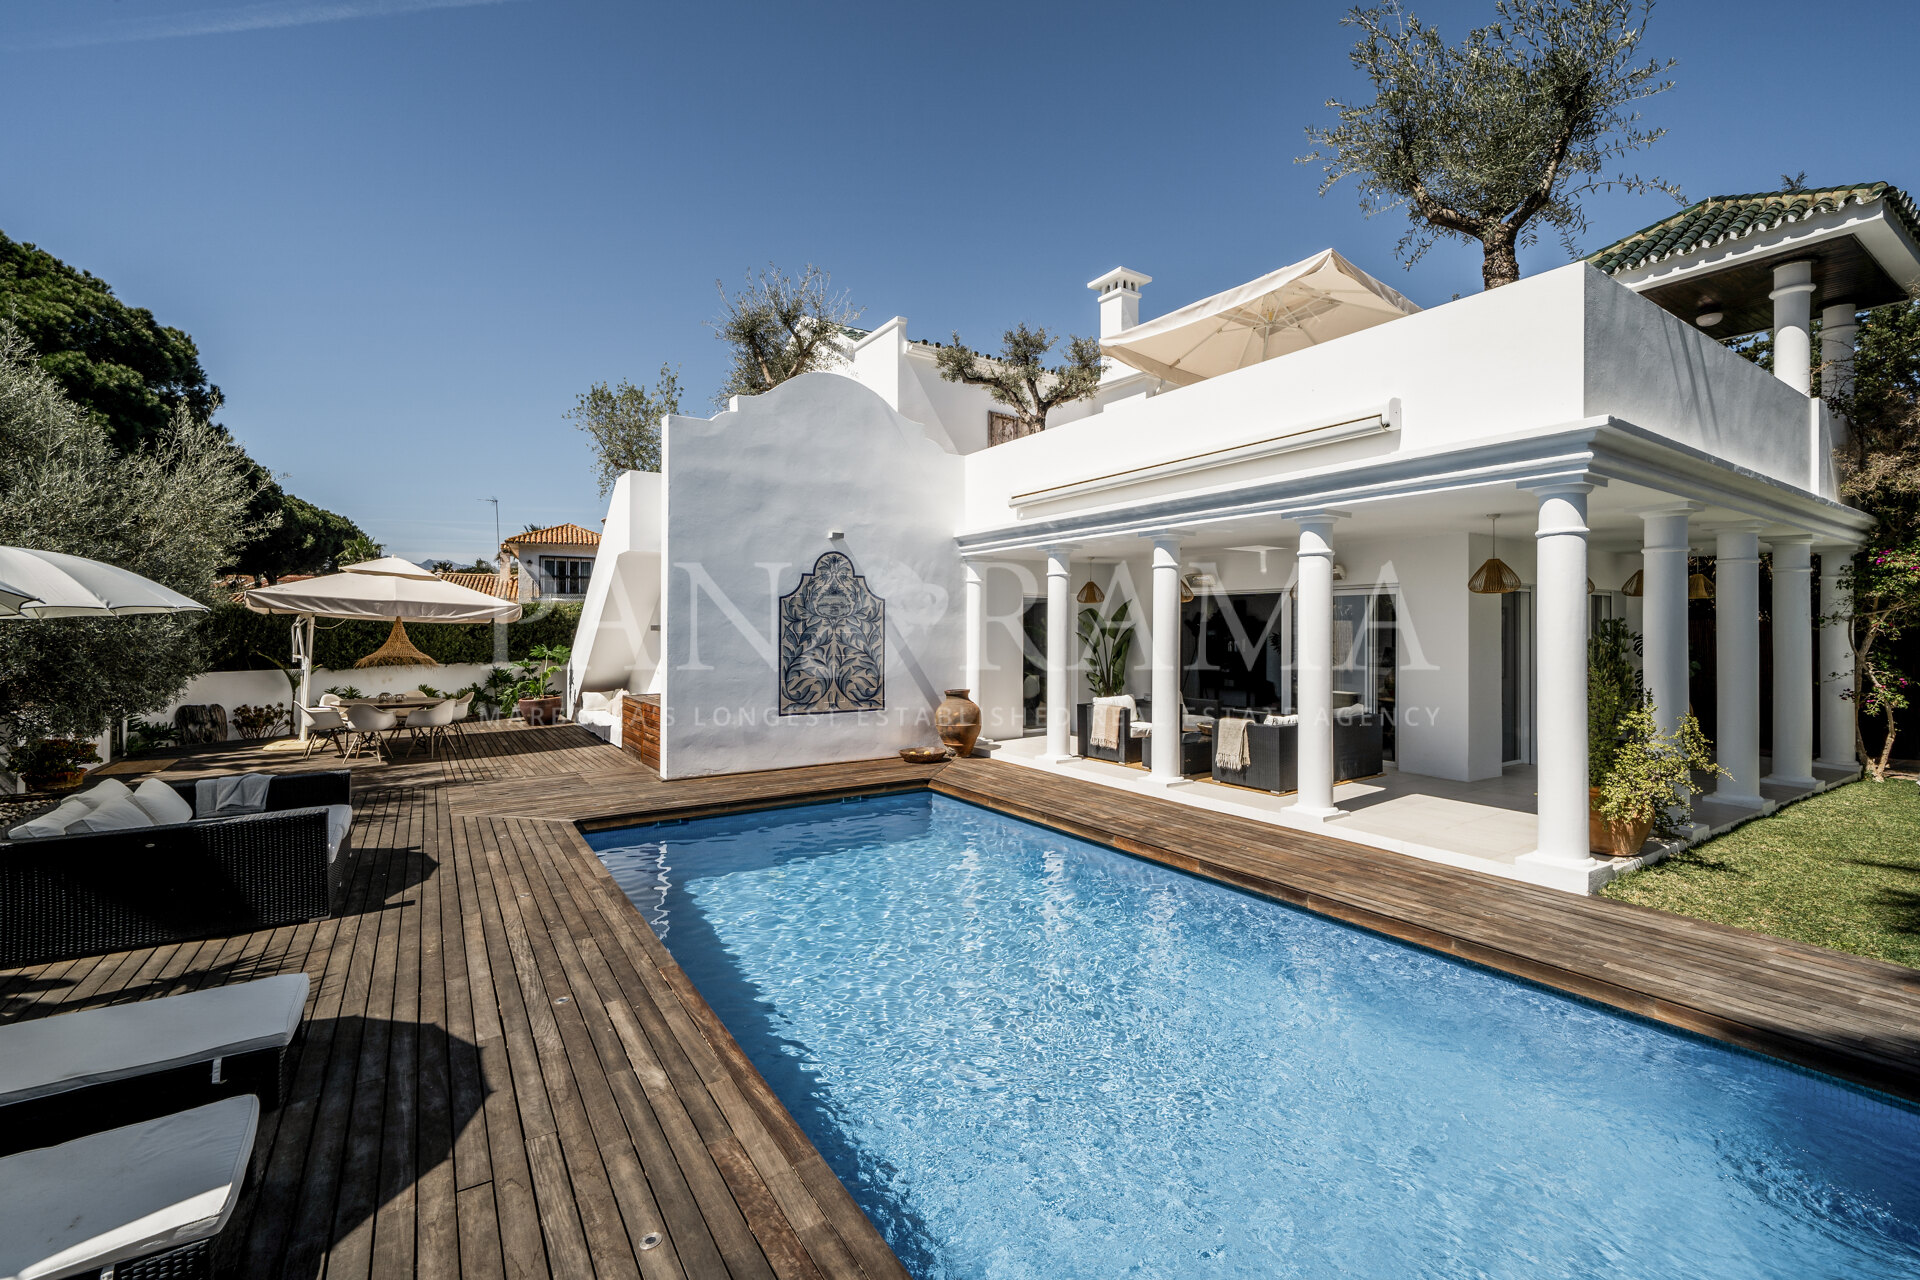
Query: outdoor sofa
pixel 1135 732
pixel 1273 749
pixel 83 894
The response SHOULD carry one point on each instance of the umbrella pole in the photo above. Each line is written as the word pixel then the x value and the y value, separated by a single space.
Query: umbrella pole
pixel 303 641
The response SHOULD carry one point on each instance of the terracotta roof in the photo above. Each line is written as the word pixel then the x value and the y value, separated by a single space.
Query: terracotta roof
pixel 559 535
pixel 493 584
pixel 1720 218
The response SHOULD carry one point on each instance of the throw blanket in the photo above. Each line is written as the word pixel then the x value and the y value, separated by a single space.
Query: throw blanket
pixel 218 797
pixel 1230 743
pixel 1106 725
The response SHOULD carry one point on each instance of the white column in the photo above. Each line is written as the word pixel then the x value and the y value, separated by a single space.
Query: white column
pixel 1838 326
pixel 1792 661
pixel 1166 660
pixel 1836 662
pixel 1059 654
pixel 1313 660
pixel 1663 612
pixel 970 578
pixel 1736 625
pixel 1560 666
pixel 1793 325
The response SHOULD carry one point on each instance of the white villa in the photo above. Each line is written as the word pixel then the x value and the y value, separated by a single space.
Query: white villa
pixel 1292 483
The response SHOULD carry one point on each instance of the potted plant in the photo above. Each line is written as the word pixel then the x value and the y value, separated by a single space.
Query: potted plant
pixel 1639 780
pixel 53 764
pixel 1108 642
pixel 531 700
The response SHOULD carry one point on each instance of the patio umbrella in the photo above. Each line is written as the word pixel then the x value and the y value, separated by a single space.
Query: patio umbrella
pixel 1312 301
pixel 387 588
pixel 50 584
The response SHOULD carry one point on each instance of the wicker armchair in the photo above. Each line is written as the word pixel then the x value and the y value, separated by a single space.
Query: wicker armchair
pixel 80 895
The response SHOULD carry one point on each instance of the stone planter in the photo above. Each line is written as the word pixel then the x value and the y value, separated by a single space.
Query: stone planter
pixel 1613 839
pixel 957 720
pixel 539 710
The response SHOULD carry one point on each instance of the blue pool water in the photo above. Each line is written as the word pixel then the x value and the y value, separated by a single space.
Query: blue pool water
pixel 1033 1057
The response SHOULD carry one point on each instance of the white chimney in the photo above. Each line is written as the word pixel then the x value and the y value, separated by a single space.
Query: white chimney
pixel 1119 292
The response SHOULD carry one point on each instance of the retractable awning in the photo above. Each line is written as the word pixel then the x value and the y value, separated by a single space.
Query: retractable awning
pixel 1313 301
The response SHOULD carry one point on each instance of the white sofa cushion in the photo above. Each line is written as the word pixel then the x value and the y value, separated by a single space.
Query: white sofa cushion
pixel 104 790
pixel 339 822
pixel 83 1205
pixel 45 1056
pixel 117 814
pixel 162 803
pixel 54 822
pixel 608 702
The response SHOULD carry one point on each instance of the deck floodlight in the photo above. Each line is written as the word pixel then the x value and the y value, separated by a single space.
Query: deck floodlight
pixel 1494 578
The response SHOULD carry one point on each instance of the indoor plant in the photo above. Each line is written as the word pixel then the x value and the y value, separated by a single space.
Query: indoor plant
pixel 53 764
pixel 1108 642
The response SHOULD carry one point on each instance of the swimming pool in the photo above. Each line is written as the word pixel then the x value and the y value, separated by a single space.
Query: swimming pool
pixel 1029 1056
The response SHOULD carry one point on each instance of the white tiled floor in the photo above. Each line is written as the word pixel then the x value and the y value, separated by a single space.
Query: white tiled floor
pixel 1483 825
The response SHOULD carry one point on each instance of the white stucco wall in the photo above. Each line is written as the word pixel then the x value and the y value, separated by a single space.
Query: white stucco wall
pixel 752 496
pixel 617 644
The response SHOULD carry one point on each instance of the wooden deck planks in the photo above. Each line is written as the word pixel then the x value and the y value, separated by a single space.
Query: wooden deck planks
pixel 503 1073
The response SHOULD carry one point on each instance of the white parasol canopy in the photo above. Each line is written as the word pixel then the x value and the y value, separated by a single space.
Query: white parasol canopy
pixel 50 584
pixel 378 589
pixel 1313 301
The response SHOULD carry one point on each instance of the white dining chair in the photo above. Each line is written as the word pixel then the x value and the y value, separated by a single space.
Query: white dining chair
pixel 324 724
pixel 462 712
pixel 330 700
pixel 431 724
pixel 370 727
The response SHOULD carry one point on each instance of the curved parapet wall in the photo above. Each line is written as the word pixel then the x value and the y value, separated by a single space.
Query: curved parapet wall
pixel 617 645
pixel 817 477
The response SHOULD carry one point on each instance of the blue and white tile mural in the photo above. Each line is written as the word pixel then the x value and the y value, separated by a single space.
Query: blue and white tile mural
pixel 833 642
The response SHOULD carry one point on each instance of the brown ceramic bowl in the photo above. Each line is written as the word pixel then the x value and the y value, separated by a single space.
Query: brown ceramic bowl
pixel 924 755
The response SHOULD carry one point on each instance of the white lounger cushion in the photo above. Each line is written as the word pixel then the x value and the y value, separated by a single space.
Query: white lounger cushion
pixel 104 790
pixel 46 1056
pixel 125 1193
pixel 54 822
pixel 339 822
pixel 120 813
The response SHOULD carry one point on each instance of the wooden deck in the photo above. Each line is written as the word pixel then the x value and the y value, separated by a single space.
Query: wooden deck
pixel 503 1073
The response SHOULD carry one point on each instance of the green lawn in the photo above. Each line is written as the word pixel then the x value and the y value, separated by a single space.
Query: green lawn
pixel 1841 870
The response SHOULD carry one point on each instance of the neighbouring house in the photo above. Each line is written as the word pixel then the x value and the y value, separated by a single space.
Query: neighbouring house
pixel 551 564
pixel 1292 484
pixel 504 585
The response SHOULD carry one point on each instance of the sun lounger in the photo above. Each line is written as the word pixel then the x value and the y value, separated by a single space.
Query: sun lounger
pixel 147 1199
pixel 135 1061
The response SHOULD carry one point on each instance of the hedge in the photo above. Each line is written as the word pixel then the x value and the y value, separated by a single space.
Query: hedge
pixel 239 639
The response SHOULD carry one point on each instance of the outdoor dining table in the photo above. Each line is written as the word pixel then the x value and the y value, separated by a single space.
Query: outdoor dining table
pixel 398 706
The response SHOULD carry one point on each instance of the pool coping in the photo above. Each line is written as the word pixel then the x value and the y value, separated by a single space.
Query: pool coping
pixel 1743 989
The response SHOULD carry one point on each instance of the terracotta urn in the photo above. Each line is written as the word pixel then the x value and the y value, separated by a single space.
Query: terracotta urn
pixel 1613 839
pixel 64 780
pixel 958 721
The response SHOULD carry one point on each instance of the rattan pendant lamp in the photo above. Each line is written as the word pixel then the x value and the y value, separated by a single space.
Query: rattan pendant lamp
pixel 1091 593
pixel 1494 578
pixel 398 651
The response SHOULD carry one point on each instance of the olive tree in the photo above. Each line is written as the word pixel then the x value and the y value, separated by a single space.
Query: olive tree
pixel 1019 378
pixel 174 511
pixel 624 422
pixel 1483 140
pixel 780 328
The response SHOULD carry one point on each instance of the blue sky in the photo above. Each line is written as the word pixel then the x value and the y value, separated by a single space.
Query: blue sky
pixel 405 233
